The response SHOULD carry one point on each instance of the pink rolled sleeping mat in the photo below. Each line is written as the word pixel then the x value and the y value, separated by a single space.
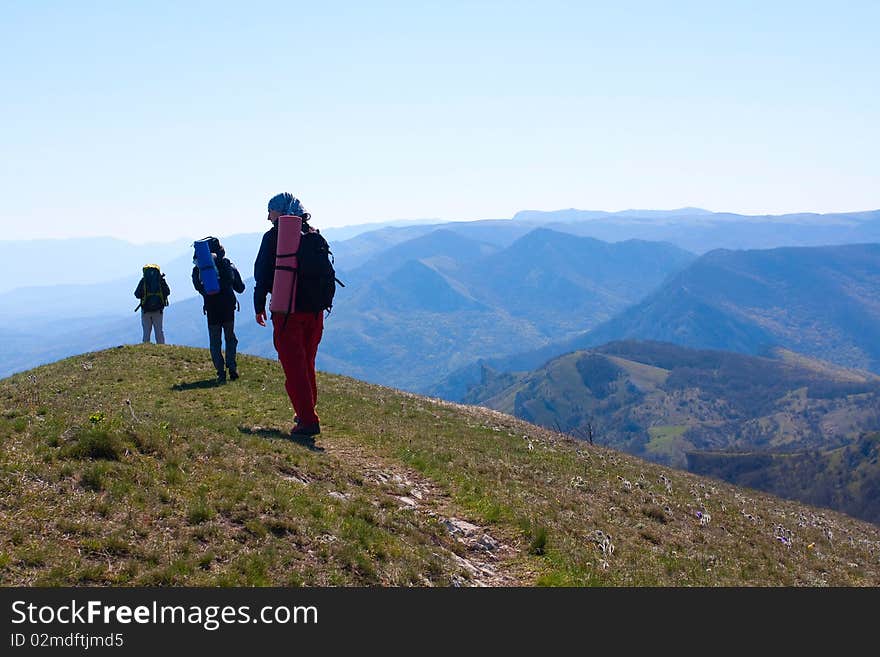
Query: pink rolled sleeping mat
pixel 284 283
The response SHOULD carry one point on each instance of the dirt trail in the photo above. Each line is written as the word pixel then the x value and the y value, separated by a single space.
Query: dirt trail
pixel 487 557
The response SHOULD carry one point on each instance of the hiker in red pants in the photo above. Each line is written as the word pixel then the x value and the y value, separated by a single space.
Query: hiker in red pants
pixel 296 336
pixel 297 346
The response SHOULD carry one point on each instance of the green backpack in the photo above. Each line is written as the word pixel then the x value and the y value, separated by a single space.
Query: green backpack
pixel 153 298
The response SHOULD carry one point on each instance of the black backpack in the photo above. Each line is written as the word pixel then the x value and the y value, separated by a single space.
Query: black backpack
pixel 316 278
pixel 224 273
pixel 153 299
pixel 228 280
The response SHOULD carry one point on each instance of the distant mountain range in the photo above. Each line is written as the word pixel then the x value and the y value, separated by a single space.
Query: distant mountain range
pixel 425 307
pixel 71 295
pixel 751 420
pixel 700 231
pixel 417 310
pixel 77 261
pixel 90 260
pixel 820 301
pixel 95 277
pixel 42 264
pixel 511 293
pixel 572 215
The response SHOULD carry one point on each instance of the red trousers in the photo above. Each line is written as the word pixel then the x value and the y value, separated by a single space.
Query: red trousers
pixel 297 345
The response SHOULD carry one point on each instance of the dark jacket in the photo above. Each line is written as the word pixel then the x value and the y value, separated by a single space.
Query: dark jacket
pixel 264 269
pixel 220 307
pixel 139 291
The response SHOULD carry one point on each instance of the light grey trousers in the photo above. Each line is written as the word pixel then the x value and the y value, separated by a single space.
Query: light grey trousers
pixel 153 321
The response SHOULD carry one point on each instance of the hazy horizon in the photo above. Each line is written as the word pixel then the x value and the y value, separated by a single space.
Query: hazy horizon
pixel 260 227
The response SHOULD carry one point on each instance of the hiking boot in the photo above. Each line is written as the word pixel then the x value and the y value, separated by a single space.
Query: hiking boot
pixel 233 375
pixel 221 378
pixel 306 430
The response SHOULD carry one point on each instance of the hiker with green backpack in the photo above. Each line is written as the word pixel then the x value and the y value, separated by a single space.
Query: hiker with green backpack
pixel 153 292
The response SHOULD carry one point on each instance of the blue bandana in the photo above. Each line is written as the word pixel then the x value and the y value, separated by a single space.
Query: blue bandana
pixel 280 202
pixel 287 203
pixel 296 208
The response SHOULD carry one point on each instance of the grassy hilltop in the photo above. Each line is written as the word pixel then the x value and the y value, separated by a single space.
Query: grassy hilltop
pixel 129 467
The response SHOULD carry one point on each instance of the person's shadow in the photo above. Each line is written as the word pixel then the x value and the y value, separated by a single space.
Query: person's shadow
pixel 276 434
pixel 197 385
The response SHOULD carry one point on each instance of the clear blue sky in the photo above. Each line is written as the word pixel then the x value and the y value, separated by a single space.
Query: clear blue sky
pixel 159 120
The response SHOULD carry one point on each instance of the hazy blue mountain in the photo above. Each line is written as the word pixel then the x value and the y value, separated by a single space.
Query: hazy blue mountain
pixel 821 301
pixel 701 232
pixel 342 233
pixel 92 260
pixel 573 215
pixel 97 276
pixel 571 281
pixel 77 261
pixel 692 229
pixel 414 287
pixel 115 297
pixel 697 216
pixel 48 339
pixel 455 300
pixel 665 214
pixel 443 248
pixel 86 261
pixel 355 252
pixel 500 232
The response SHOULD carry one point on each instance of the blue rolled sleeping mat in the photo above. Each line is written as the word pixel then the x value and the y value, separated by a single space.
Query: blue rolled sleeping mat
pixel 207 266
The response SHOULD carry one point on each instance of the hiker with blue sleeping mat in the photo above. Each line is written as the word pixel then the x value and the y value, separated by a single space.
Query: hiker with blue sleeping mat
pixel 217 280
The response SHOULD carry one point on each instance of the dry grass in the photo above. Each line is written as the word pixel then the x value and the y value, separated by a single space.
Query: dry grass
pixel 128 467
